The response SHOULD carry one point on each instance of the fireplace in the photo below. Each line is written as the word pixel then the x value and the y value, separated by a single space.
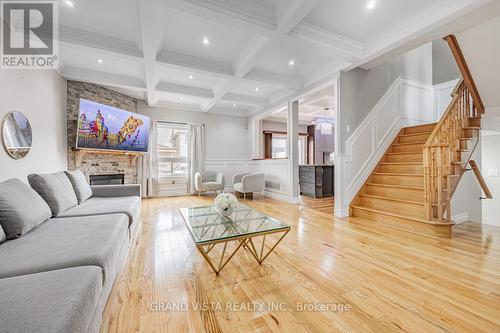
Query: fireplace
pixel 114 179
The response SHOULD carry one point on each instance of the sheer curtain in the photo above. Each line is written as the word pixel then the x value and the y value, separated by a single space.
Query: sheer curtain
pixel 196 152
pixel 148 168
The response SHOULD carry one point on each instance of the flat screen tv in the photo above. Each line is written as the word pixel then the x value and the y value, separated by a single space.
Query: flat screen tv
pixel 105 127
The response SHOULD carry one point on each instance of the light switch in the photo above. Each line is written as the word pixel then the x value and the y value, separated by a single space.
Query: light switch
pixel 348 128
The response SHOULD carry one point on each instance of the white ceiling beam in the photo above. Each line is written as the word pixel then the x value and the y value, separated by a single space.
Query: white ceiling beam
pixel 184 90
pixel 276 79
pixel 120 47
pixel 113 80
pixel 245 100
pixel 250 55
pixel 148 22
pixel 188 61
pixel 230 13
pixel 341 47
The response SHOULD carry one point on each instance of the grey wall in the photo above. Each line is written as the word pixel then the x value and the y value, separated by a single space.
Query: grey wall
pixel 444 66
pixel 95 164
pixel 467 194
pixel 361 89
pixel 226 136
pixel 41 95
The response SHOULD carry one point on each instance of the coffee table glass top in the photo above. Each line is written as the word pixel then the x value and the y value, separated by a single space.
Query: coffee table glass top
pixel 207 225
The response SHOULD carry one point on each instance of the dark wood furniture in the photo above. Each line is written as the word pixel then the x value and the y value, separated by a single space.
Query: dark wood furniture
pixel 316 181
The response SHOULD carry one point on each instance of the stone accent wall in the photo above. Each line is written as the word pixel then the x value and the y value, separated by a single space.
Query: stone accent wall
pixel 96 164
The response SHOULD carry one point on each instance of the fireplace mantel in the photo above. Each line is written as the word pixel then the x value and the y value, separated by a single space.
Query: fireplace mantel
pixel 81 152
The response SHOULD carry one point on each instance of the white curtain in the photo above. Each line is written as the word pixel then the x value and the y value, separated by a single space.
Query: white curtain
pixel 148 167
pixel 196 152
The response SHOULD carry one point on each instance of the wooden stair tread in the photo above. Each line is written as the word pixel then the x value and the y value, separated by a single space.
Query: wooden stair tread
pixel 423 125
pixel 398 174
pixel 392 199
pixel 472 128
pixel 415 134
pixel 404 217
pixel 402 163
pixel 408 144
pixel 406 153
pixel 396 186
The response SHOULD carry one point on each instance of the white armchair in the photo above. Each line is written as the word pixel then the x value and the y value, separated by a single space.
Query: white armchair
pixel 249 183
pixel 209 181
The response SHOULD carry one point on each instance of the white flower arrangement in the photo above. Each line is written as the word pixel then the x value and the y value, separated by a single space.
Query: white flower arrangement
pixel 225 203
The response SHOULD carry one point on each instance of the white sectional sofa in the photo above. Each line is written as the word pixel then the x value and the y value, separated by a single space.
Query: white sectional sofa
pixel 60 255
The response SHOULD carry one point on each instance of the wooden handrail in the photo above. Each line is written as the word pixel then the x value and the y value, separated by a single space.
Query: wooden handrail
pixel 465 71
pixel 480 179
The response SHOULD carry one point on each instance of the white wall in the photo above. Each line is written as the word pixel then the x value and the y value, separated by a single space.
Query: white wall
pixel 481 48
pixel 226 136
pixel 41 96
pixel 490 166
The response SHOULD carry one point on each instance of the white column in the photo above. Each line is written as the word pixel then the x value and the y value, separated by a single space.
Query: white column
pixel 293 150
pixel 256 134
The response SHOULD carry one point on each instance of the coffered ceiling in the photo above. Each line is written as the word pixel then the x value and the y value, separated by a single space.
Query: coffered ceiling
pixel 232 56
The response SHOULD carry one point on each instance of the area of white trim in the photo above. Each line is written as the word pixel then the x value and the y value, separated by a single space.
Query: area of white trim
pixel 460 218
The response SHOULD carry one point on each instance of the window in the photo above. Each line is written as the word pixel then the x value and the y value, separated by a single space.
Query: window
pixel 172 152
pixel 302 149
pixel 279 146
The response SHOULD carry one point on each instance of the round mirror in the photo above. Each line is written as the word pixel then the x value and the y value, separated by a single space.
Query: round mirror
pixel 17 135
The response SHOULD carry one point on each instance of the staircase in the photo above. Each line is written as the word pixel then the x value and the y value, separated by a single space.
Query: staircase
pixel 417 176
pixel 395 190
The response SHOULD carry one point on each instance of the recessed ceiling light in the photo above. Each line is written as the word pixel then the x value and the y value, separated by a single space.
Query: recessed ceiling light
pixel 234 105
pixel 206 41
pixel 99 61
pixel 256 88
pixel 181 98
pixel 370 5
pixel 291 62
pixel 191 76
pixel 69 3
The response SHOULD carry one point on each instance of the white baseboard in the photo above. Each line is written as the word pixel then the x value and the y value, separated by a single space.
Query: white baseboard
pixel 460 218
pixel 280 196
pixel 341 212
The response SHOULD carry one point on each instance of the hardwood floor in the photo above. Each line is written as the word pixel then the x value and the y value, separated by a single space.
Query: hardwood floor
pixel 393 277
pixel 324 205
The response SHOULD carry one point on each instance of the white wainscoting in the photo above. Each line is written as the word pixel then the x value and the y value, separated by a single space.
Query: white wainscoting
pixel 276 172
pixel 405 103
pixel 229 168
pixel 442 97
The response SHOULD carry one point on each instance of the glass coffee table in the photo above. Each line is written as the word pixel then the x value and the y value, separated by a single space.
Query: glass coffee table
pixel 208 228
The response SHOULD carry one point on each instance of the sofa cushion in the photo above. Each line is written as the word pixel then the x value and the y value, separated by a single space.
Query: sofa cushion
pixel 55 189
pixel 80 185
pixel 21 208
pixel 104 205
pixel 56 301
pixel 2 235
pixel 66 242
